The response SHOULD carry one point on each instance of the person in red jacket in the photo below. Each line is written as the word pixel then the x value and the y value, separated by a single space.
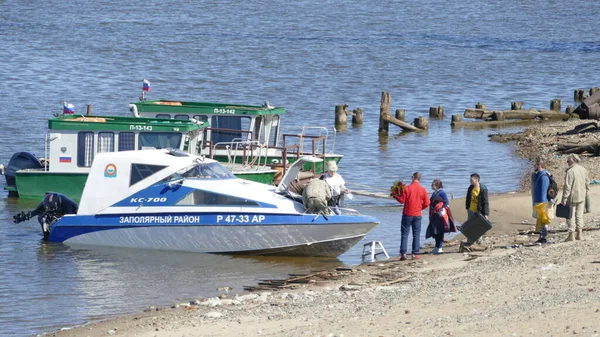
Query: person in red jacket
pixel 415 199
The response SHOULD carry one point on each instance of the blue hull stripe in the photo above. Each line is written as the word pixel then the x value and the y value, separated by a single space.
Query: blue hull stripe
pixel 71 226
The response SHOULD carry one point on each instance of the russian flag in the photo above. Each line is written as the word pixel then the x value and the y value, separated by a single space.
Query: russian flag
pixel 146 85
pixel 68 109
pixel 64 159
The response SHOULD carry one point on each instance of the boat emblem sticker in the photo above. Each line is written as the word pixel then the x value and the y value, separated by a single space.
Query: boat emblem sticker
pixel 110 171
pixel 63 149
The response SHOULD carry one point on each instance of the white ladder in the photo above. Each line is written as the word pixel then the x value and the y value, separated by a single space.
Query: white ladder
pixel 371 249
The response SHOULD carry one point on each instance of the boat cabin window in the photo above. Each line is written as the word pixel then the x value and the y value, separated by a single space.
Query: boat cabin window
pixel 201 118
pixel 274 132
pixel 205 171
pixel 85 149
pixel 259 129
pixel 182 117
pixel 159 140
pixel 126 141
pixel 140 172
pixel 235 126
pixel 106 142
pixel 206 198
pixel 163 116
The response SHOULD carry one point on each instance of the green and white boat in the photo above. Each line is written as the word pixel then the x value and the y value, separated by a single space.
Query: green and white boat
pixel 239 131
pixel 73 141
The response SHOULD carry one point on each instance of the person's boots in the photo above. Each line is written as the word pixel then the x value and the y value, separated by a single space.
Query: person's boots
pixel 571 237
pixel 579 235
pixel 543 234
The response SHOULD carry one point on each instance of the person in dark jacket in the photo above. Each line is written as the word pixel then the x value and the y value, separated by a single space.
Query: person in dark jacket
pixel 52 208
pixel 477 199
pixel 440 217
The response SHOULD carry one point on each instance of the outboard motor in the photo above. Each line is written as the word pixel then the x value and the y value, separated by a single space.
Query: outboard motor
pixel 50 210
pixel 53 207
pixel 19 161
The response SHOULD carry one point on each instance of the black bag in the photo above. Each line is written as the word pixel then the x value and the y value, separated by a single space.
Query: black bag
pixel 475 227
pixel 564 211
pixel 552 191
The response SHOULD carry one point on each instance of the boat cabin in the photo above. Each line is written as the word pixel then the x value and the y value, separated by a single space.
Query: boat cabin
pixel 228 122
pixel 246 134
pixel 73 141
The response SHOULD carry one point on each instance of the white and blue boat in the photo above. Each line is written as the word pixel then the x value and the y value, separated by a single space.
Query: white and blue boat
pixel 171 200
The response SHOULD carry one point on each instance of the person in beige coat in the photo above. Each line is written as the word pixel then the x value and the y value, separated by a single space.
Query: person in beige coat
pixel 574 192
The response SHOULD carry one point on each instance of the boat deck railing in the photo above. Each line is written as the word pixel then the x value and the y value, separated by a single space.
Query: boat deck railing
pixel 311 141
pixel 321 131
pixel 316 147
pixel 253 153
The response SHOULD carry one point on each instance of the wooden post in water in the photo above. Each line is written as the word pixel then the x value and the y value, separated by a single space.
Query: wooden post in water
pixel 516 105
pixel 480 106
pixel 357 117
pixel 384 109
pixel 456 119
pixel 401 115
pixel 593 90
pixel 436 112
pixel 421 123
pixel 340 116
pixel 570 109
pixel 89 109
pixel 580 95
pixel 577 95
pixel 555 105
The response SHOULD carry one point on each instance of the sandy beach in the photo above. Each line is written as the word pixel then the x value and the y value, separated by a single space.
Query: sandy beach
pixel 509 286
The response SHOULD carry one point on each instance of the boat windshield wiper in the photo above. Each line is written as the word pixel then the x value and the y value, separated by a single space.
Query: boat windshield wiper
pixel 178 179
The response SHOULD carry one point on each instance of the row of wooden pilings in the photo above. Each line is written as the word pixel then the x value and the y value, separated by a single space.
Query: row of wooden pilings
pixel 385 118
pixel 489 117
pixel 581 94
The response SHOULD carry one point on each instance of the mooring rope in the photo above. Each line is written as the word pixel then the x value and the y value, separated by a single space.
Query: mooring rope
pixel 367 186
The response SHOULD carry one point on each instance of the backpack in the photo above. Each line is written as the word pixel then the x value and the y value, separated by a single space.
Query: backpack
pixel 552 191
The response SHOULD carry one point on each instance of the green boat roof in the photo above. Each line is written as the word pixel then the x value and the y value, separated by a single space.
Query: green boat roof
pixel 114 123
pixel 195 108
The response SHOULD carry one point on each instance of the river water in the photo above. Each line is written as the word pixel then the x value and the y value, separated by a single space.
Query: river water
pixel 302 55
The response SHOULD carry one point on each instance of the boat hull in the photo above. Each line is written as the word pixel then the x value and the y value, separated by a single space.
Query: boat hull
pixel 35 184
pixel 291 235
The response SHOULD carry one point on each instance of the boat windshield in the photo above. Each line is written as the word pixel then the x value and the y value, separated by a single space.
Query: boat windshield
pixel 203 171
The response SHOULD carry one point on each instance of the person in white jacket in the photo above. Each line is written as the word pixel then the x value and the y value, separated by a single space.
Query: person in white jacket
pixel 574 192
pixel 337 183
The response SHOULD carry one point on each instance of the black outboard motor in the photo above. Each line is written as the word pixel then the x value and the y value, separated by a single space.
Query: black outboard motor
pixel 19 161
pixel 50 210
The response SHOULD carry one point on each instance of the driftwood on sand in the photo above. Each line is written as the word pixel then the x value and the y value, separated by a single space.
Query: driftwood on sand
pixel 515 114
pixel 593 148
